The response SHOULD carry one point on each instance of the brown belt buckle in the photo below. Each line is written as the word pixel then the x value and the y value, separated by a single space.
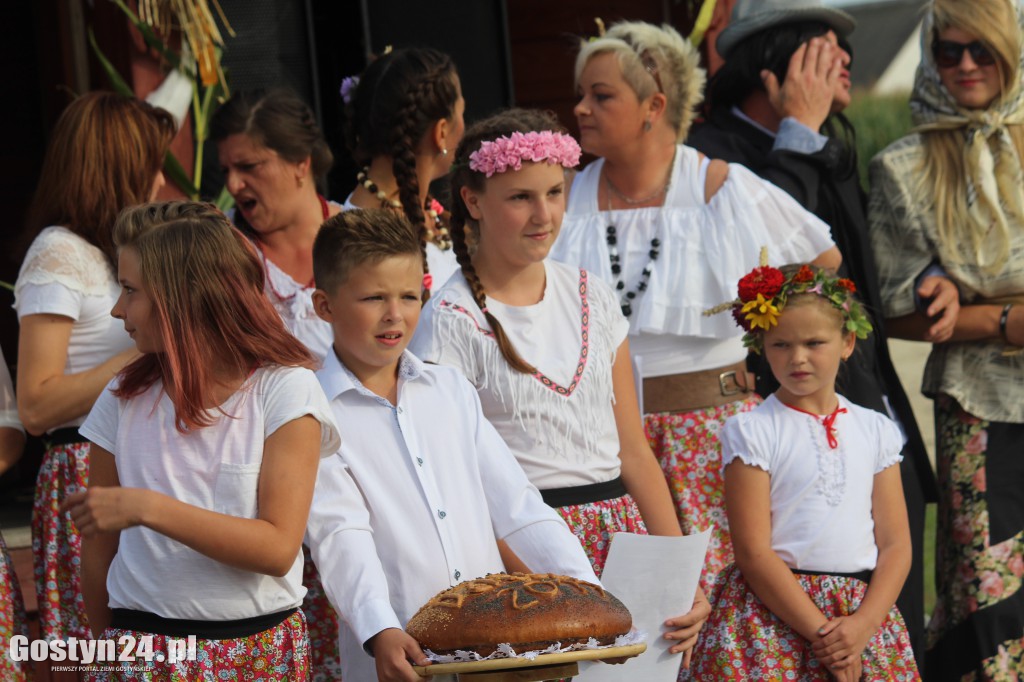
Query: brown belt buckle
pixel 726 390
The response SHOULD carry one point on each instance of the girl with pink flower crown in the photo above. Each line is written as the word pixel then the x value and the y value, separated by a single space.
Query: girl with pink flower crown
pixel 814 500
pixel 544 343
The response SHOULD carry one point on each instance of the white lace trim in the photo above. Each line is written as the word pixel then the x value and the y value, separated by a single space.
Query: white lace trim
pixel 831 481
pixel 59 256
pixel 506 650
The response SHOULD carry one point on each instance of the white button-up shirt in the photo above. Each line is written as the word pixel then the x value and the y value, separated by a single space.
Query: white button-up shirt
pixel 416 500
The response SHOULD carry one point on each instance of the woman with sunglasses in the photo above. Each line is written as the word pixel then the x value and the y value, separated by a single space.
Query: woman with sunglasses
pixel 951 195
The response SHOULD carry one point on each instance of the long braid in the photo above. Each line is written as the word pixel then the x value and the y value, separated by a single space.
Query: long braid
pixel 399 98
pixel 458 230
pixel 403 144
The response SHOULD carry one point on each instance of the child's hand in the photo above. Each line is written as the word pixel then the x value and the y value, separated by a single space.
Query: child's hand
pixel 105 509
pixel 842 640
pixel 851 673
pixel 689 626
pixel 395 652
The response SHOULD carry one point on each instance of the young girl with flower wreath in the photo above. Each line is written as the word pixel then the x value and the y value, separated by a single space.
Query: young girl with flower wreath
pixel 544 343
pixel 404 122
pixel 814 499
pixel 204 452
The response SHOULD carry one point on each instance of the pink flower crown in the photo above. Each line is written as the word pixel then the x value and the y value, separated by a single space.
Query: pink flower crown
pixel 500 155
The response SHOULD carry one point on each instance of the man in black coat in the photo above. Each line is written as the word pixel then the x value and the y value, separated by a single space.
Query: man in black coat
pixel 776 108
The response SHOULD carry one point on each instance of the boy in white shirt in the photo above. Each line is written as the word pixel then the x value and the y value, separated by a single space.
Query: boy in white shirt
pixel 423 487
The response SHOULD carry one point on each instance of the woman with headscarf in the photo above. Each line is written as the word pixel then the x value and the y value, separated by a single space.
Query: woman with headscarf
pixel 951 194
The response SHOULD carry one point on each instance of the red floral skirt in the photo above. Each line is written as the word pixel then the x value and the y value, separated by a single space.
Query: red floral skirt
pixel 278 654
pixel 690 454
pixel 56 545
pixel 743 640
pixel 322 623
pixel 12 618
pixel 593 523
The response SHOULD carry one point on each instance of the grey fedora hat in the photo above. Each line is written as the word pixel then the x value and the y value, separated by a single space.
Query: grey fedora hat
pixel 751 16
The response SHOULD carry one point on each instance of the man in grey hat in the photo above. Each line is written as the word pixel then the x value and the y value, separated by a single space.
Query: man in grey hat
pixel 776 107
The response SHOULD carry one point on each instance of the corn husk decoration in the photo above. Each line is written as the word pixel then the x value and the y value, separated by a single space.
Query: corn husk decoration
pixel 196 21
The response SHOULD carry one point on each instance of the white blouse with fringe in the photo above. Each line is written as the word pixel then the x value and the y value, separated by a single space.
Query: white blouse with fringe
pixel 705 248
pixel 560 422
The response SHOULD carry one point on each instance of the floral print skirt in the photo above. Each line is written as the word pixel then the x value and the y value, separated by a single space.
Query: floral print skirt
pixel 595 522
pixel 687 446
pixel 977 629
pixel 278 654
pixel 56 545
pixel 322 622
pixel 743 640
pixel 12 618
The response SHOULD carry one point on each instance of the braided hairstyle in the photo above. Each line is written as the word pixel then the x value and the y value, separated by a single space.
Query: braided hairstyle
pixel 500 125
pixel 278 120
pixel 400 96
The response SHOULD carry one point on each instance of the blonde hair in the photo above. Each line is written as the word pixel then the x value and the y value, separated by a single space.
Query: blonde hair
pixel 945 170
pixel 650 56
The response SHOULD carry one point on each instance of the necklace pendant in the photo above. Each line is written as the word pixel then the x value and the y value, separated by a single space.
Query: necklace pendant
pixel 627 309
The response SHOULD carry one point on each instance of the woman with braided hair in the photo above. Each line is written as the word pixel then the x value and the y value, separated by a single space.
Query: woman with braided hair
pixel 404 122
pixel 545 344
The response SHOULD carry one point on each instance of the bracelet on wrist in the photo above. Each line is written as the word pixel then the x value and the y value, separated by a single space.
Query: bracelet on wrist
pixel 1004 318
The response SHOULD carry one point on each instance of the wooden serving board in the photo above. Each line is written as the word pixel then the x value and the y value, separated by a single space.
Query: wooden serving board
pixel 545 666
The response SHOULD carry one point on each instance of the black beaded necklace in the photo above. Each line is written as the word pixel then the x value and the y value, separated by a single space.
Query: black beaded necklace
pixel 627 297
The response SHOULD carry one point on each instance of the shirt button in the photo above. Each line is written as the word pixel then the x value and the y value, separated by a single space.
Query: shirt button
pixel 457 575
pixel 419 460
pixel 441 514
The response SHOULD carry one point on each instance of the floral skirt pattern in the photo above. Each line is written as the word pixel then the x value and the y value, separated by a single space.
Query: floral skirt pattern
pixel 322 622
pixel 56 545
pixel 977 629
pixel 595 522
pixel 687 446
pixel 280 653
pixel 12 618
pixel 743 640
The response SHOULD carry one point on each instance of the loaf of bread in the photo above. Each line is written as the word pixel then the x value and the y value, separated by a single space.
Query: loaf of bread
pixel 530 611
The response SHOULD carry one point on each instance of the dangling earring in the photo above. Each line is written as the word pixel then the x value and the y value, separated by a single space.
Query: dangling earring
pixel 647 126
pixel 301 182
pixel 444 151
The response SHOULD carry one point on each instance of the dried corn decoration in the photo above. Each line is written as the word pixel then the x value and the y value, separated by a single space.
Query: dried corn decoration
pixel 195 20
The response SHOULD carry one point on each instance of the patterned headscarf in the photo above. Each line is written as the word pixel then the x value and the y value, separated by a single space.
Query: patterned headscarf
pixel 994 176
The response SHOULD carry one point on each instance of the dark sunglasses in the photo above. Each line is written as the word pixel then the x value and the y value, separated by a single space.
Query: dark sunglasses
pixel 948 53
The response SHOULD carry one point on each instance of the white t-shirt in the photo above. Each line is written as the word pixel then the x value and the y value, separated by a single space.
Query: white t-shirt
pixel 559 424
pixel 215 468
pixel 63 274
pixel 820 496
pixel 704 249
pixel 442 264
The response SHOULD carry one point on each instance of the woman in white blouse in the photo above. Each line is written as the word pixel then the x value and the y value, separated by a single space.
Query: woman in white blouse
pixel 671 230
pixel 105 153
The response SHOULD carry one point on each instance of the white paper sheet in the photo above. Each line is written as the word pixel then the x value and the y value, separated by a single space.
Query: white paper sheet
pixel 656 578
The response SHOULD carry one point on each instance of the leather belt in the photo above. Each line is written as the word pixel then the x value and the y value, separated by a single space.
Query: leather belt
pixel 695 390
